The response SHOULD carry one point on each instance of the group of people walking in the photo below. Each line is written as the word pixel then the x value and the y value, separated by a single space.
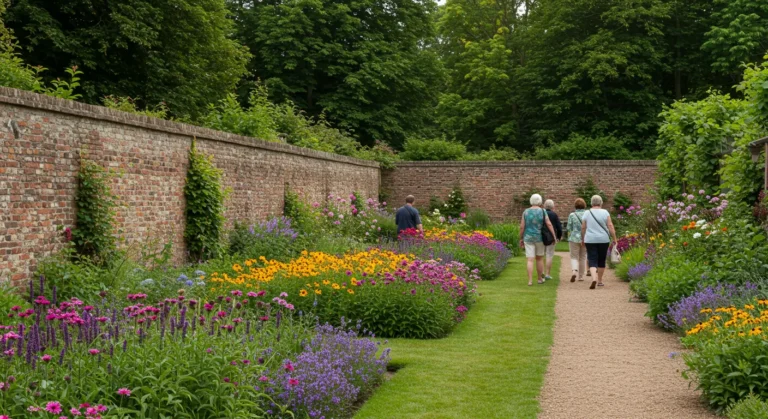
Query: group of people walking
pixel 589 236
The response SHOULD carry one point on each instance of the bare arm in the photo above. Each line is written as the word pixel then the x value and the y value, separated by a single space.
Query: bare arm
pixel 420 227
pixel 583 230
pixel 611 229
pixel 522 229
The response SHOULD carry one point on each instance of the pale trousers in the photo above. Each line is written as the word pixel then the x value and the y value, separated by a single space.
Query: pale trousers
pixel 578 258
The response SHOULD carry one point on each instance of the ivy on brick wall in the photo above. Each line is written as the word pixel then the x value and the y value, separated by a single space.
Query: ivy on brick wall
pixel 205 207
pixel 93 236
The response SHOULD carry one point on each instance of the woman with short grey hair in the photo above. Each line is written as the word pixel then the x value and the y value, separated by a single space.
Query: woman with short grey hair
pixel 596 233
pixel 533 220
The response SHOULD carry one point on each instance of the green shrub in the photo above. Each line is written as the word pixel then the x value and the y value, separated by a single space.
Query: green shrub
pixel 10 296
pixel 493 154
pixel 588 190
pixel 629 259
pixel 272 239
pixel 95 203
pixel 301 214
pixel 671 279
pixel 750 407
pixel 509 233
pixel 579 147
pixel 127 104
pixel 478 219
pixel 728 370
pixel 257 121
pixel 436 149
pixel 620 200
pixel 204 207
pixel 455 205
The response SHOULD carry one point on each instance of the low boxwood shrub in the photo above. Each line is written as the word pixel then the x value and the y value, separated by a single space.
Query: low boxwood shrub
pixel 671 279
pixel 750 407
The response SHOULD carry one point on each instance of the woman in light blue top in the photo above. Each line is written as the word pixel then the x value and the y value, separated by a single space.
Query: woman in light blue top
pixel 578 252
pixel 534 218
pixel 596 233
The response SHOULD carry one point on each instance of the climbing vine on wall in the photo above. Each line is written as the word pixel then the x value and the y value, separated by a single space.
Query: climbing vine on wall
pixel 205 207
pixel 93 236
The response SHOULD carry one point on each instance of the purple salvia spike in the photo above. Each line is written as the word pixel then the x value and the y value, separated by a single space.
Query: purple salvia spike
pixel 111 350
pixel 173 326
pixel 141 336
pixel 42 285
pixel 212 328
pixel 125 345
pixel 184 330
pixel 61 355
pixel 248 327
pixel 55 302
pixel 67 339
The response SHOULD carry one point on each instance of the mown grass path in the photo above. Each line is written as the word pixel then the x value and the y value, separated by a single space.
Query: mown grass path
pixel 491 366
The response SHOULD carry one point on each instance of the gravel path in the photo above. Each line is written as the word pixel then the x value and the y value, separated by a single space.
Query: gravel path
pixel 609 361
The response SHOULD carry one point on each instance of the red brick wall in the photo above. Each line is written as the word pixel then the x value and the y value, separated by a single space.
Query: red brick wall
pixel 494 186
pixel 42 139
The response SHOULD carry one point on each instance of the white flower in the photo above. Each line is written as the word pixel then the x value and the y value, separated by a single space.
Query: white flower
pixel 700 222
pixel 697 235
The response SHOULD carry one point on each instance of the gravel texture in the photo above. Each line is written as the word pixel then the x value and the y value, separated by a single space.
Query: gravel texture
pixel 609 361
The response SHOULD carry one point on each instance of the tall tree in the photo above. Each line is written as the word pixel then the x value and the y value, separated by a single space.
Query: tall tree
pixel 482 43
pixel 176 51
pixel 593 69
pixel 739 35
pixel 362 62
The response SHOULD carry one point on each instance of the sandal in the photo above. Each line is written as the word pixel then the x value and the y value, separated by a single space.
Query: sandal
pixel 573 278
pixel 581 279
pixel 530 283
pixel 601 285
pixel 592 286
pixel 541 282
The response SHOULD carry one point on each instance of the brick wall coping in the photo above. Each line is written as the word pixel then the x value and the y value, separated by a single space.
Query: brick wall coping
pixel 70 107
pixel 530 163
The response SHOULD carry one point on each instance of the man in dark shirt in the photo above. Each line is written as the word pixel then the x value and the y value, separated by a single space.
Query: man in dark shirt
pixel 408 217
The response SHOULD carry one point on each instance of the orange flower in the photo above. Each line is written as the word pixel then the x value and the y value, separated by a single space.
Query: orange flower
pixel 685 243
pixel 725 228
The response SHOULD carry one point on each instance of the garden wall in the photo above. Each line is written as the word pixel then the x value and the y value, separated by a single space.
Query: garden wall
pixel 499 187
pixel 42 139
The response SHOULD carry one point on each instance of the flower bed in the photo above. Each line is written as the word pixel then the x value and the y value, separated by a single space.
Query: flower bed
pixel 238 355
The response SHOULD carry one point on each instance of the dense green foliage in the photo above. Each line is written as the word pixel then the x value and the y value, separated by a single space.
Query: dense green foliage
pixel 750 407
pixel 177 52
pixel 362 62
pixel 490 80
pixel 204 207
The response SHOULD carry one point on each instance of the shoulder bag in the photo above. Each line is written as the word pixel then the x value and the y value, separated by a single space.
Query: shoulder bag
pixel 546 235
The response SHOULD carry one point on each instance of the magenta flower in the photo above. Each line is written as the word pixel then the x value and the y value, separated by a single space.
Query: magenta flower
pixel 293 382
pixel 94 351
pixel 5 417
pixel 289 367
pixel 264 378
pixel 101 408
pixel 75 412
pixel 46 358
pixel 53 407
pixel 222 314
pixel 124 392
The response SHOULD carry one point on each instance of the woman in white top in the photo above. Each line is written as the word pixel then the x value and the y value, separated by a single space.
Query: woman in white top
pixel 596 233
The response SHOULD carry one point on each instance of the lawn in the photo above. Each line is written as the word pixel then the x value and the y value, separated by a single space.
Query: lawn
pixel 492 366
pixel 562 247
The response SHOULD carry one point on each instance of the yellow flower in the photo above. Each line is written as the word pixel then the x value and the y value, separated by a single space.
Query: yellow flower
pixel 354 281
pixel 318 291
pixel 705 310
pixel 335 286
pixel 351 291
pixel 326 282
pixel 317 285
pixel 749 307
pixel 237 268
pixel 303 293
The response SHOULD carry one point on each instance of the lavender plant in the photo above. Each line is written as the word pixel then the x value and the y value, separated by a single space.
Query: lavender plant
pixel 687 311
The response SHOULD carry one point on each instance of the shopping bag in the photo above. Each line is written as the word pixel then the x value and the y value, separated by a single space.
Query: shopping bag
pixel 615 255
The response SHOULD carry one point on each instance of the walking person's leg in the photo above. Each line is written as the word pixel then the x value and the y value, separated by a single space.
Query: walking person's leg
pixel 530 255
pixel 592 259
pixel 540 252
pixel 602 256
pixel 575 250
pixel 582 262
pixel 549 253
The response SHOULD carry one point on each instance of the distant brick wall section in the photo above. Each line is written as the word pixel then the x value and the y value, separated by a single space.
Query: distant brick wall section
pixel 494 186
pixel 42 138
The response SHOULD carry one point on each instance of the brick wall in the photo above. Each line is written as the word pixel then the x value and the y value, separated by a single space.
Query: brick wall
pixel 495 186
pixel 42 139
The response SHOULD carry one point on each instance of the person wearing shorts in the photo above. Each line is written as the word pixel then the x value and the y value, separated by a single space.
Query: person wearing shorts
pixel 596 233
pixel 534 218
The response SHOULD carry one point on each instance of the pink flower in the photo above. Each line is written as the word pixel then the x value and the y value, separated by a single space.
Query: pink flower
pixel 5 417
pixel 293 382
pixel 463 215
pixel 75 412
pixel 289 367
pixel 222 314
pixel 124 392
pixel 101 408
pixel 94 351
pixel 53 407
pixel 46 358
pixel 91 411
pixel 263 378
